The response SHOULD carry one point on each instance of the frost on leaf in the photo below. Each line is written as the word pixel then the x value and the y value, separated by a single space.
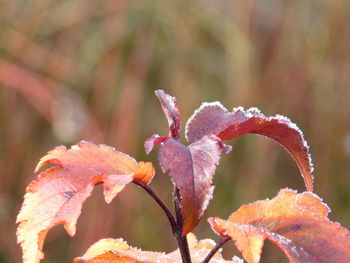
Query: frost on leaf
pixel 191 170
pixel 297 223
pixel 171 110
pixel 152 141
pixel 57 194
pixel 117 250
pixel 213 118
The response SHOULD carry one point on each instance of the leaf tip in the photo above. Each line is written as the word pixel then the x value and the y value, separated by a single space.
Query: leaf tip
pixel 144 172
pixel 70 227
pixel 201 110
pixel 152 141
pixel 171 110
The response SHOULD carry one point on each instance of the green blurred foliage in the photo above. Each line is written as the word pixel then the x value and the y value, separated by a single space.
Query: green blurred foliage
pixel 87 69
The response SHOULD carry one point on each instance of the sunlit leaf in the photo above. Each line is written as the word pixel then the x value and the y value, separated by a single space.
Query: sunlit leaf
pixel 191 170
pixel 152 141
pixel 297 223
pixel 171 110
pixel 57 194
pixel 117 250
pixel 213 118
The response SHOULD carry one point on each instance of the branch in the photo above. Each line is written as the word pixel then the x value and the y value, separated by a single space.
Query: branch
pixel 181 240
pixel 215 249
pixel 160 203
pixel 177 224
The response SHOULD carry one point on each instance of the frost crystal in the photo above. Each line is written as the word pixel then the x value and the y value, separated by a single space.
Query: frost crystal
pixel 203 106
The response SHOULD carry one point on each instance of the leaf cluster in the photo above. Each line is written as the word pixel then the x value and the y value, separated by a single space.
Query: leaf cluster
pixel 296 222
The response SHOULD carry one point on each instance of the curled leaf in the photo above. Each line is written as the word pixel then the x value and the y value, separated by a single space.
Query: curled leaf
pixel 171 111
pixel 57 194
pixel 191 170
pixel 152 141
pixel 213 118
pixel 144 172
pixel 117 250
pixel 297 223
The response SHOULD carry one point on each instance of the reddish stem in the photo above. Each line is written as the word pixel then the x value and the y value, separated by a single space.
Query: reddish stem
pixel 215 249
pixel 181 240
pixel 176 225
pixel 166 210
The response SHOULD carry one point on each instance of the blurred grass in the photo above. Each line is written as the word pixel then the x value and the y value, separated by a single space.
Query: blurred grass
pixel 86 69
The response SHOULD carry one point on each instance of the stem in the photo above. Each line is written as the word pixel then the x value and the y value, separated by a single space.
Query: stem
pixel 176 225
pixel 166 210
pixel 181 240
pixel 215 249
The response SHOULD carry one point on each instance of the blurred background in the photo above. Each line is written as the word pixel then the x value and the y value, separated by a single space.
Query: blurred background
pixel 87 69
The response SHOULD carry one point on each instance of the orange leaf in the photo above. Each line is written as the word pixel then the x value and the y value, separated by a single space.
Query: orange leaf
pixel 297 223
pixel 117 250
pixel 57 194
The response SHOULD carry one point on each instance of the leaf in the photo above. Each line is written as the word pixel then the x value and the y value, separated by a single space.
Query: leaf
pixel 152 141
pixel 117 250
pixel 191 170
pixel 57 194
pixel 171 110
pixel 213 118
pixel 297 223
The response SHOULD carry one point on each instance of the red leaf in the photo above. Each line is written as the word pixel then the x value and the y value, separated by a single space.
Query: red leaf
pixel 117 250
pixel 57 194
pixel 213 118
pixel 152 141
pixel 171 110
pixel 297 223
pixel 191 170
